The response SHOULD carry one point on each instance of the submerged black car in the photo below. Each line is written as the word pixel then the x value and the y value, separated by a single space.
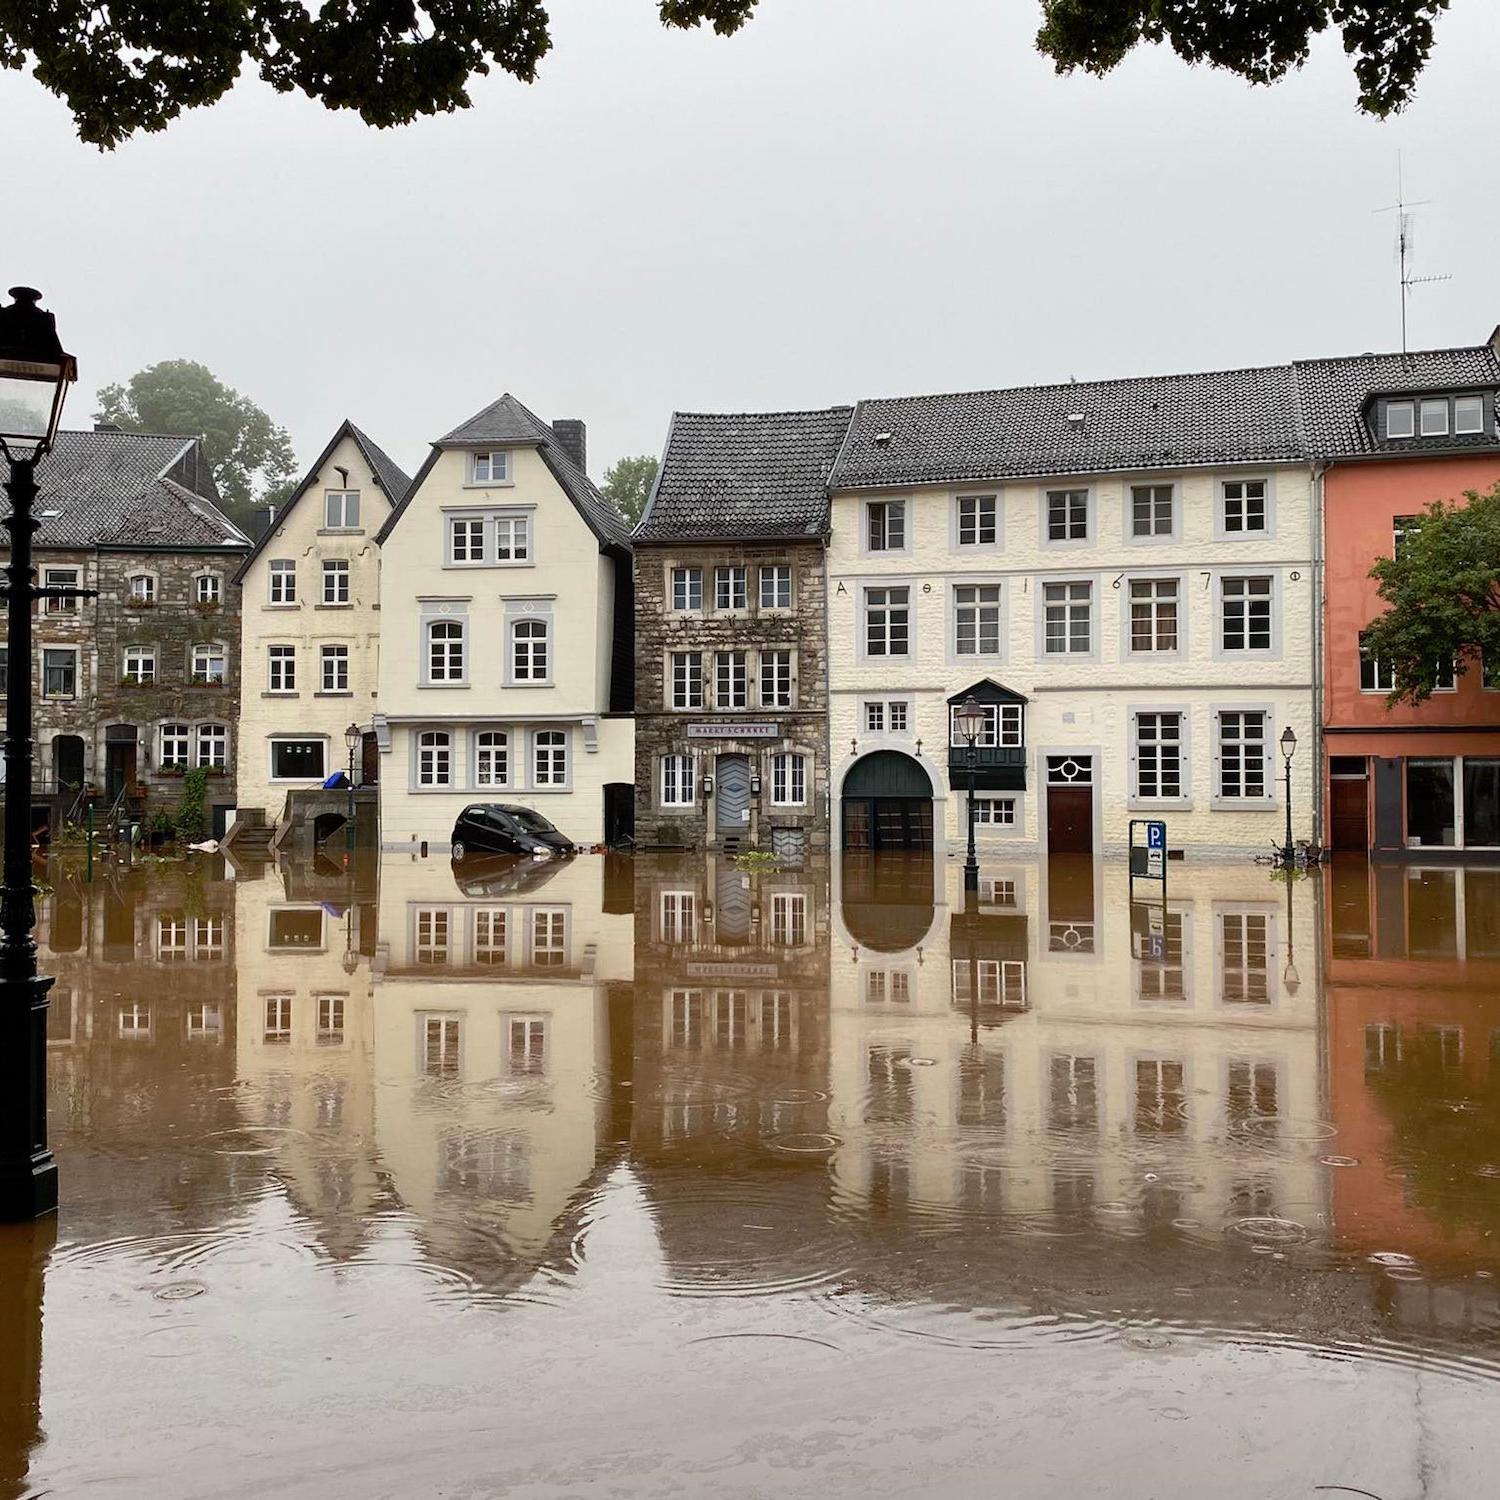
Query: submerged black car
pixel 505 828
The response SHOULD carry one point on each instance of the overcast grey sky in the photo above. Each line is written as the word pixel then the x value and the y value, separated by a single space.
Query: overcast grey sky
pixel 850 198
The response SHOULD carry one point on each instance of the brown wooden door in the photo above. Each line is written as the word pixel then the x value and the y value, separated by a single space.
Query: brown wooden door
pixel 1351 812
pixel 1070 820
pixel 369 761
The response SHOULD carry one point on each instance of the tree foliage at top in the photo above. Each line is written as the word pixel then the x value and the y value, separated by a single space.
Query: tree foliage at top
pixel 246 450
pixel 1261 40
pixel 1443 596
pixel 125 66
pixel 628 484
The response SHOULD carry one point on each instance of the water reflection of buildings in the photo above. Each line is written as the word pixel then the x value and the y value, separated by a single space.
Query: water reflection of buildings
pixel 1033 1057
pixel 501 998
pixel 1414 1035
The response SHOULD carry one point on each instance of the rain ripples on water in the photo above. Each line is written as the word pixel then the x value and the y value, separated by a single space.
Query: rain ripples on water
pixel 757 1121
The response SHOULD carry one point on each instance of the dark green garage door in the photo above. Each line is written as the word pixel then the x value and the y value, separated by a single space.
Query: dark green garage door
pixel 887 804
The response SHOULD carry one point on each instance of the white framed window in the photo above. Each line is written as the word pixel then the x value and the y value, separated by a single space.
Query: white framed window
pixel 209 662
pixel 1468 414
pixel 489 468
pixel 491 926
pixel 897 711
pixel 679 916
pixel 788 919
pixel 678 786
pixel 888 621
pixel 466 539
pixel 491 757
pixel 59 672
pixel 432 935
pixel 172 747
pixel 330 1020
pixel 977 520
pixel 140 665
pixel 143 588
pixel 776 679
pixel 1400 419
pixel 281 574
pixel 1243 507
pixel 278 1019
pixel 976 619
pixel 729 587
pixel 512 538
pixel 434 758
pixel 1004 725
pixel 335 663
pixel 281 669
pixel 442 1043
pixel 60 578
pixel 1403 530
pixel 1067 515
pixel 1245 622
pixel 1245 957
pixel 687 679
pixel 1153 614
pixel 1435 417
pixel 1153 510
pixel 997 890
pixel 687 588
pixel 445 651
pixel 1158 756
pixel 776 586
pixel 995 812
pixel 526 1046
pixel 1242 754
pixel 1375 674
pixel 885 525
pixel 335 580
pixel 550 758
pixel 549 938
pixel 208 589
pixel 530 657
pixel 1068 610
pixel 731 679
pixel 789 780
pixel 875 717
pixel 213 746
pixel 1446 679
pixel 341 510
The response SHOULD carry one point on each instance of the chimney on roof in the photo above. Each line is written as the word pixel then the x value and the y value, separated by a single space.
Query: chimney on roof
pixel 574 438
pixel 108 427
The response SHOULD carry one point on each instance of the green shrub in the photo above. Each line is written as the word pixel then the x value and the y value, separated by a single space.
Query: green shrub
pixel 192 809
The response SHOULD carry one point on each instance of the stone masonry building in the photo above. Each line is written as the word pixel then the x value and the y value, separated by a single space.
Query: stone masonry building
pixel 140 685
pixel 731 632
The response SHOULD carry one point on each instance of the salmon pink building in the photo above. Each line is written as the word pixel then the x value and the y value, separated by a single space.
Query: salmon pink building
pixel 1390 434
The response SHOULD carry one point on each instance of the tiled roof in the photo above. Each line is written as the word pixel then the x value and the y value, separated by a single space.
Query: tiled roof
pixel 111 488
pixel 745 475
pixel 1334 393
pixel 505 422
pixel 391 478
pixel 1084 427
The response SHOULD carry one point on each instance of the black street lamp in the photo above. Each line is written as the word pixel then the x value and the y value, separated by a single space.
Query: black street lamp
pixel 1288 750
pixel 353 738
pixel 969 720
pixel 35 373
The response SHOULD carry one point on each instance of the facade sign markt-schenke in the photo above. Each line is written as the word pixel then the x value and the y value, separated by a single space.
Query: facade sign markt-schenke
pixel 770 731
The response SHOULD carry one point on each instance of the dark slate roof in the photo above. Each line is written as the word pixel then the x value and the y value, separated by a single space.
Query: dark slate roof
pixel 507 422
pixel 1336 392
pixel 1159 421
pixel 114 489
pixel 744 475
pixel 383 468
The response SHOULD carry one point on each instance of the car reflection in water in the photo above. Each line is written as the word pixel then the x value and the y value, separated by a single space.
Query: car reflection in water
pixel 660 1103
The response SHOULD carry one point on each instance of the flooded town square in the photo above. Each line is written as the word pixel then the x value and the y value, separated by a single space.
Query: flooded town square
pixel 667 1176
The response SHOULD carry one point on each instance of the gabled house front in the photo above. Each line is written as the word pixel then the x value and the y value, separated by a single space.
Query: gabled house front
pixel 506 659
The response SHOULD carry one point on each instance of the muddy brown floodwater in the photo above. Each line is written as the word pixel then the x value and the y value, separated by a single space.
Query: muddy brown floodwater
pixel 658 1177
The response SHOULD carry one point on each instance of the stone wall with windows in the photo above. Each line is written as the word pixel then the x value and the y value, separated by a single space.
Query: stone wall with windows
pixel 146 676
pixel 1107 602
pixel 731 637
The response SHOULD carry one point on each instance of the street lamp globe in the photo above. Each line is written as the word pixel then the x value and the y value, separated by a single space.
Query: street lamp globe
pixel 352 737
pixel 35 373
pixel 969 720
pixel 1288 742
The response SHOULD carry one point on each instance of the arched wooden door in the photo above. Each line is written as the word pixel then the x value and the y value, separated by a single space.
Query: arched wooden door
pixel 887 804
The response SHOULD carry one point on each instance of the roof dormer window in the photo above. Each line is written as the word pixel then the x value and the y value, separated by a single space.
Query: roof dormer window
pixel 1400 419
pixel 490 468
pixel 1435 417
pixel 1468 414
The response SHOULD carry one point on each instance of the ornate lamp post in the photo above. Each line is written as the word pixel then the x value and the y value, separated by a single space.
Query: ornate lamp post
pixel 1288 750
pixel 353 738
pixel 35 373
pixel 969 720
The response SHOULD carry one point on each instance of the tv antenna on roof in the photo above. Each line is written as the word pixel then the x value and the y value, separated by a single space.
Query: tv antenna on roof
pixel 1404 237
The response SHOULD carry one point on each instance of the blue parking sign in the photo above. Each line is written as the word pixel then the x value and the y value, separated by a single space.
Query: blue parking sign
pixel 1156 835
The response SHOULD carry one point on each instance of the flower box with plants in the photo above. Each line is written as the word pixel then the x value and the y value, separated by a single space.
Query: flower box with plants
pixel 205 679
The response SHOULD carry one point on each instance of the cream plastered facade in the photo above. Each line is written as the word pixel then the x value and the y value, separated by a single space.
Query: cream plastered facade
pixel 309 711
pixel 499 1004
pixel 1084 705
pixel 568 585
pixel 1145 1068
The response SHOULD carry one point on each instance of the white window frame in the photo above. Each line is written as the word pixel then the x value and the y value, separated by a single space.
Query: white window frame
pixel 281 582
pixel 1380 670
pixel 994 811
pixel 482 469
pixel 677 781
pixel 1476 404
pixel 731 582
pixel 146 596
pixel 1153 538
pixel 1128 647
pixel 690 577
pixel 776 574
pixel 336 655
pixel 894 515
pixel 684 677
pixel 1183 797
pixel 956 606
pixel 174 745
pixel 1272 597
pixel 207 737
pixel 140 655
pixel 1091 601
pixel 449 678
pixel 1004 727
pixel 433 759
pixel 1267 798
pixel 1048 542
pixel 977 501
pixel 281 669
pixel 490 748
pixel 790 774
pixel 1436 407
pixel 201 658
pixel 1222 531
pixel 337 573
pixel 737 661
pixel 528 639
pixel 781 663
pixel 1408 411
pixel 475 541
pixel 551 751
pixel 217 591
pixel 67 578
pixel 339 503
pixel 908 606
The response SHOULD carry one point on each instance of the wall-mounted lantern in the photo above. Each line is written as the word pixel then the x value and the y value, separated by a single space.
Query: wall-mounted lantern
pixel 755 785
pixel 708 786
